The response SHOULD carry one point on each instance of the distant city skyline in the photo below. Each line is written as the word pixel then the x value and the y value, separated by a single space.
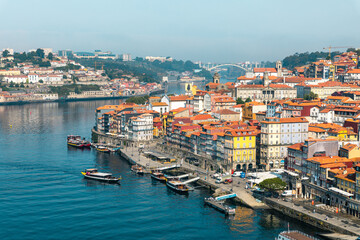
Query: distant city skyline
pixel 207 31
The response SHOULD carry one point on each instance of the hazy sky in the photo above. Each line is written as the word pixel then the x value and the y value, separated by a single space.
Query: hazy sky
pixel 206 30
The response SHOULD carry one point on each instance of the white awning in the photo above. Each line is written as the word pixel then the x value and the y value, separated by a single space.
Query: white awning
pixel 333 189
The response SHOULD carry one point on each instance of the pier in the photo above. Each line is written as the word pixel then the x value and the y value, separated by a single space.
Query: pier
pixel 243 197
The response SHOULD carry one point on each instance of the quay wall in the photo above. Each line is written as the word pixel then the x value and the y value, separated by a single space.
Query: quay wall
pixel 306 218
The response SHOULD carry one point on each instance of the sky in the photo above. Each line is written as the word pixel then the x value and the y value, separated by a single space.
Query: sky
pixel 218 31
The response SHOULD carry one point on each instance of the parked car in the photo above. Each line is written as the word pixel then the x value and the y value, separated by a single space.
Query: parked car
pixel 228 180
pixel 237 174
pixel 287 193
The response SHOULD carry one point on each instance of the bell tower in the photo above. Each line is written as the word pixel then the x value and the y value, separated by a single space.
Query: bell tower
pixel 216 78
pixel 279 68
pixel 266 80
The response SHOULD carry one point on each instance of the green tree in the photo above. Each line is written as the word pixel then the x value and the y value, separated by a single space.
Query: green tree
pixel 64 77
pixel 22 85
pixel 5 53
pixel 16 85
pixel 11 84
pixel 310 96
pixel 50 56
pixel 77 90
pixel 239 101
pixel 41 81
pixel 273 184
pixel 137 100
pixel 248 99
pixel 40 53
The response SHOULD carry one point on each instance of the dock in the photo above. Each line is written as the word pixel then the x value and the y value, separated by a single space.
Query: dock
pixel 220 206
pixel 244 196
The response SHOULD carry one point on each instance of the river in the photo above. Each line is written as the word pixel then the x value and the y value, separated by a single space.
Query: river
pixel 44 196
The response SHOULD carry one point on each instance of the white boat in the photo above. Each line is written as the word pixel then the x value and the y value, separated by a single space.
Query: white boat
pixel 99 176
pixel 295 235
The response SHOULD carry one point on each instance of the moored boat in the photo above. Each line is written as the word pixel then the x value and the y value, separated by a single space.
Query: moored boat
pixel 102 149
pixel 93 174
pixel 295 235
pixel 219 205
pixel 77 141
pixel 137 169
pixel 178 186
pixel 158 175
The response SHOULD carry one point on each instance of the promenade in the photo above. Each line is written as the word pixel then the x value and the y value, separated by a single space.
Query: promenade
pixel 244 195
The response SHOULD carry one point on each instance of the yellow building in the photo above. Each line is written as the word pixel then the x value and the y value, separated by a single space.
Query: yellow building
pixel 240 148
pixel 346 181
pixel 342 134
pixel 349 151
pixel 251 108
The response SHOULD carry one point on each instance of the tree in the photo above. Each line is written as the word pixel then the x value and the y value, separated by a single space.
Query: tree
pixel 248 100
pixel 22 85
pixel 77 90
pixel 239 101
pixel 310 96
pixel 64 77
pixel 273 184
pixel 41 81
pixel 50 56
pixel 40 53
pixel 16 85
pixel 11 84
pixel 5 53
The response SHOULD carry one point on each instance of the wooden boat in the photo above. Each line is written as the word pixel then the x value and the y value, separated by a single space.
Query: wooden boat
pixel 102 149
pixel 77 141
pixel 137 169
pixel 93 174
pixel 178 186
pixel 158 175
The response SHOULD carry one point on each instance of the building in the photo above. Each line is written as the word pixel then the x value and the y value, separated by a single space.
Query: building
pixel 277 134
pixel 65 53
pixel 227 115
pixel 126 57
pixel 298 153
pixel 350 151
pixel 140 129
pixel 266 92
pixel 240 148
pixel 250 109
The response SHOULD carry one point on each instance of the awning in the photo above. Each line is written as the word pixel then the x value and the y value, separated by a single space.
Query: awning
pixel 336 190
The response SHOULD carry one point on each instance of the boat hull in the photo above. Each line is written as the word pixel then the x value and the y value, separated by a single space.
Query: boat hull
pixel 75 145
pixel 103 150
pixel 157 178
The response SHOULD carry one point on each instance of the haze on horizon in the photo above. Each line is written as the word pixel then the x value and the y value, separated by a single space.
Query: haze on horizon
pixel 206 30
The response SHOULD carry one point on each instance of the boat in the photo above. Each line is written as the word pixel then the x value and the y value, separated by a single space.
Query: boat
pixel 158 175
pixel 294 235
pixel 93 174
pixel 179 186
pixel 102 149
pixel 137 169
pixel 219 205
pixel 77 141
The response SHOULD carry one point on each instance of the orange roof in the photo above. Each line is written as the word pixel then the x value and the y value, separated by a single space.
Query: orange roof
pixel 354 71
pixel 349 146
pixel 316 129
pixel 227 112
pixel 158 104
pixel 202 117
pixel 178 98
pixel 273 70
pixel 296 146
pixel 180 109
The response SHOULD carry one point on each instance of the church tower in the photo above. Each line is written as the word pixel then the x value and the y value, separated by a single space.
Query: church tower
pixel 279 68
pixel 216 78
pixel 266 79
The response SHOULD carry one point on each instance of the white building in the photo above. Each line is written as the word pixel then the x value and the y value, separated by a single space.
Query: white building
pixel 126 57
pixel 141 128
pixel 33 78
pixel 15 79
pixel 160 107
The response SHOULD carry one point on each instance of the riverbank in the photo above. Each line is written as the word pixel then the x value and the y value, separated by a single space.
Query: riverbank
pixel 238 186
pixel 152 93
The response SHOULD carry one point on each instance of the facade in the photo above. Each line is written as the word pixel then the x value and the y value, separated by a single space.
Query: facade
pixel 141 128
pixel 277 134
pixel 240 148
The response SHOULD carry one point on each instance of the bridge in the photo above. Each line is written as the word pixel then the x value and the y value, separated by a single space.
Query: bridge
pixel 247 66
